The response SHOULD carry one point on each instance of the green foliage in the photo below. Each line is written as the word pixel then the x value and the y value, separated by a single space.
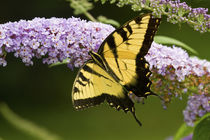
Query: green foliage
pixel 104 1
pixel 66 61
pixel 83 6
pixel 171 41
pixel 183 131
pixel 105 20
pixel 25 125
pixel 80 6
pixel 202 130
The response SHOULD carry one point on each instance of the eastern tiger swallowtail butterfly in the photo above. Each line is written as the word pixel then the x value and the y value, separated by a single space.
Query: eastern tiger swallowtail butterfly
pixel 119 68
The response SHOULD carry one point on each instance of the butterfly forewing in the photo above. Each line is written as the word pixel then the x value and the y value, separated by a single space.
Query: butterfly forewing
pixel 124 50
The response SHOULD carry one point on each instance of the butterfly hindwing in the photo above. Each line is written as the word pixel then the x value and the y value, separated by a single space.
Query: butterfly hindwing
pixel 123 52
pixel 93 85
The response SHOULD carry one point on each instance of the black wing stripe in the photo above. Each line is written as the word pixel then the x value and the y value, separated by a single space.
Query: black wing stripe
pixel 76 89
pixel 81 83
pixel 81 75
pixel 112 45
pixel 152 28
pixel 129 29
pixel 90 70
pixel 123 34
pixel 138 20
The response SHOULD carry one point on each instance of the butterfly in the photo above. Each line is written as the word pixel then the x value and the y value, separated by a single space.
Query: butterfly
pixel 119 68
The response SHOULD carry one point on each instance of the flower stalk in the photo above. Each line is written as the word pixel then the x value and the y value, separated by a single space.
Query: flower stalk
pixel 24 125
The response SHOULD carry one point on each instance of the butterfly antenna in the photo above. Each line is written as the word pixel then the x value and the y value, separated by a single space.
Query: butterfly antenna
pixel 134 115
pixel 152 93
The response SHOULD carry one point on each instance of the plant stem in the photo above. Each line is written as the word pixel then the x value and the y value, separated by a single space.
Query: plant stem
pixel 85 12
pixel 90 17
pixel 24 125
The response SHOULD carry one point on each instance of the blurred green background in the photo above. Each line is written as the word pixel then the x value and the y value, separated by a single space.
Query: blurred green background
pixel 43 95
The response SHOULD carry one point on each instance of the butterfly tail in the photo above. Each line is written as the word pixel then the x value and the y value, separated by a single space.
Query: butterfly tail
pixel 134 115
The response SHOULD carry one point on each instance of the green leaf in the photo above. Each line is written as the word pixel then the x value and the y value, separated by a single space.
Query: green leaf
pixel 112 1
pixel 172 41
pixel 80 6
pixel 24 125
pixel 103 1
pixel 105 20
pixel 66 61
pixel 183 131
pixel 202 129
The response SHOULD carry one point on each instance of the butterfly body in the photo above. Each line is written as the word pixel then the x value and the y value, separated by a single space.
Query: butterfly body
pixel 118 68
pixel 98 60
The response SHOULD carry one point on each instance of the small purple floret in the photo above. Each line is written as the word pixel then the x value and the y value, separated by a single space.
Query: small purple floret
pixel 197 106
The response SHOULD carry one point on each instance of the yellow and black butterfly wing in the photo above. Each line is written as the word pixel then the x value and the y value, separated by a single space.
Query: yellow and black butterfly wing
pixel 123 52
pixel 93 85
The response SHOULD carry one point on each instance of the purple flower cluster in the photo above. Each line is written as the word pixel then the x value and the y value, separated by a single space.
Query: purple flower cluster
pixel 179 12
pixel 161 57
pixel 57 39
pixel 176 11
pixel 197 106
pixel 54 40
pixel 175 73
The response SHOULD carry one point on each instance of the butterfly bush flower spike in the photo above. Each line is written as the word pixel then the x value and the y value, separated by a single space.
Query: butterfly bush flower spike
pixel 176 12
pixel 175 73
pixel 54 40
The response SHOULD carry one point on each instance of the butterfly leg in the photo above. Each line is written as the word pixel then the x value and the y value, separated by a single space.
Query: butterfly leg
pixel 134 98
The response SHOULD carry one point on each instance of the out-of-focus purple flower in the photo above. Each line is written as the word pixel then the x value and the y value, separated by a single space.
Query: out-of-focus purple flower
pixel 54 39
pixel 197 106
pixel 3 62
pixel 188 137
